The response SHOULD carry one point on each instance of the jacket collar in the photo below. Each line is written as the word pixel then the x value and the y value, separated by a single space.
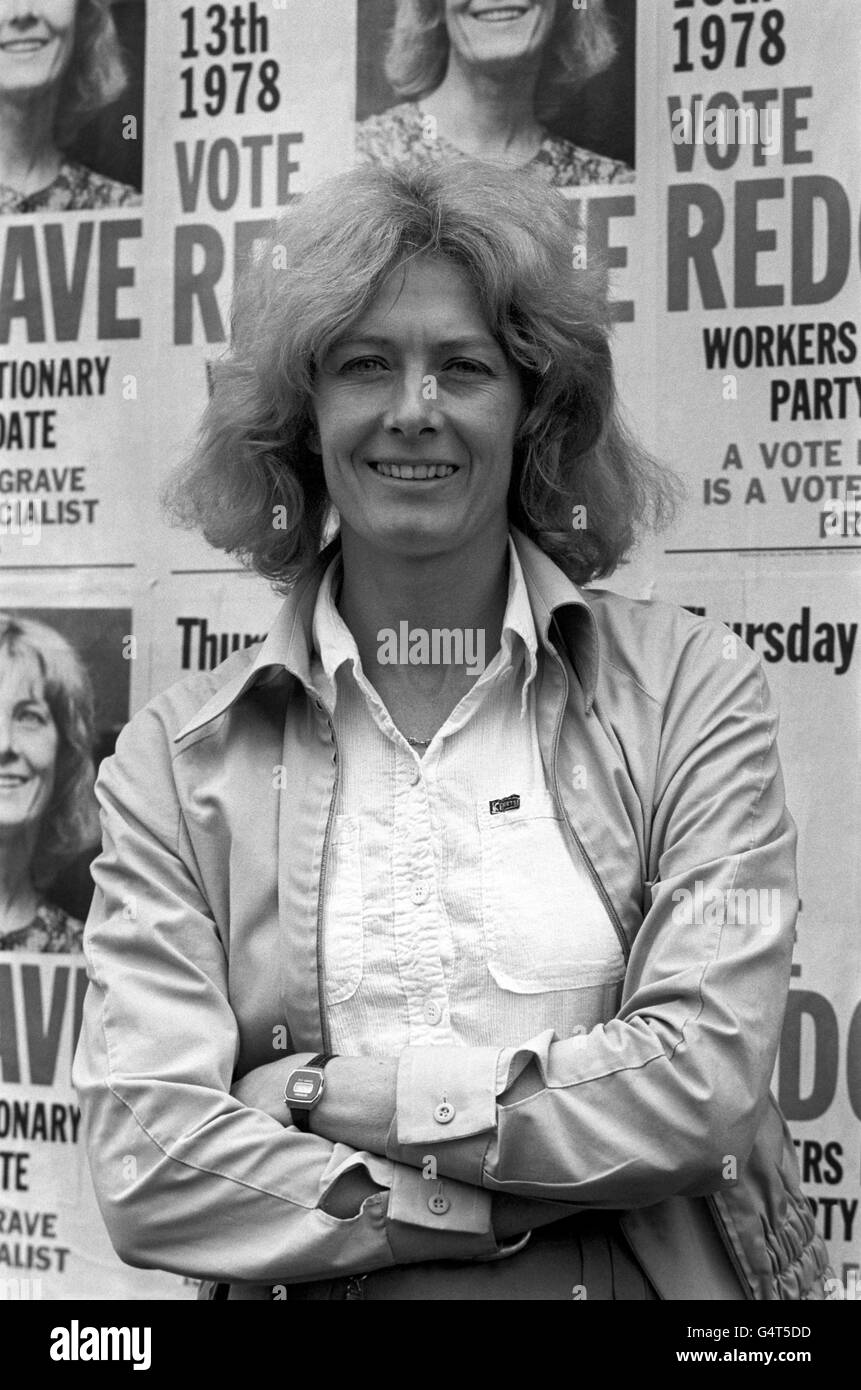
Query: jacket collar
pixel 287 646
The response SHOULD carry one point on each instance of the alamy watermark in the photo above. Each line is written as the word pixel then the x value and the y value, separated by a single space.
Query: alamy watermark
pixel 436 646
pixel 744 907
pixel 20 518
pixel 77 1343
pixel 841 517
pixel 699 124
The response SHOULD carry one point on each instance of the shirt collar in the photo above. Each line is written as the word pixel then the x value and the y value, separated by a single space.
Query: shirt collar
pixel 334 644
pixel 550 597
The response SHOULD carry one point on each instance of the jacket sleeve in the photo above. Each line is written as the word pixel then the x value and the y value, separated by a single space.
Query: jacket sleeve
pixel 666 1097
pixel 187 1178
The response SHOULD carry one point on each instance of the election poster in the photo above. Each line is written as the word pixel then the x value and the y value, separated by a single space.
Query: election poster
pixel 71 229
pixel 249 106
pixel 756 148
pixel 64 696
pixel 758 326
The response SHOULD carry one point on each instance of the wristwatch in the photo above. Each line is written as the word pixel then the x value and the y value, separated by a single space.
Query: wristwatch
pixel 304 1088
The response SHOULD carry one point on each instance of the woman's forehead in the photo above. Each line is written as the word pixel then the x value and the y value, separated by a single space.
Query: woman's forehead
pixel 427 292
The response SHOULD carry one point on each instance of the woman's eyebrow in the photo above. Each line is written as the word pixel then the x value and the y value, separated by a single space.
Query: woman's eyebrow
pixel 481 342
pixel 470 343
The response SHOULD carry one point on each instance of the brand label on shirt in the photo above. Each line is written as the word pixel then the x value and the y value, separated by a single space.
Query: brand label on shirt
pixel 505 803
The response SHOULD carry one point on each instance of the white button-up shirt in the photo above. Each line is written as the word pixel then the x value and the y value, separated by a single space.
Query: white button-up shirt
pixel 449 919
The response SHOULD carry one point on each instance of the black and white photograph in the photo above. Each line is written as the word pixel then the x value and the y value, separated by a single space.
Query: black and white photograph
pixel 429 752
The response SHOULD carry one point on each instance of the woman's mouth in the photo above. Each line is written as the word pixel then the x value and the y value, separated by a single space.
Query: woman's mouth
pixel 10 782
pixel 412 472
pixel 502 15
pixel 24 45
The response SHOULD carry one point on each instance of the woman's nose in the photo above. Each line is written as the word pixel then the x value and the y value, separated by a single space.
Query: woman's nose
pixel 22 10
pixel 8 751
pixel 413 409
pixel 8 742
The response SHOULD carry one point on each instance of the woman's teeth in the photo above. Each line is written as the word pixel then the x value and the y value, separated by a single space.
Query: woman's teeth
pixel 417 471
pixel 496 16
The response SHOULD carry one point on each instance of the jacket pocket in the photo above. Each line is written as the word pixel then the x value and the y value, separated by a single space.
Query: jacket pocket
pixel 343 947
pixel 545 927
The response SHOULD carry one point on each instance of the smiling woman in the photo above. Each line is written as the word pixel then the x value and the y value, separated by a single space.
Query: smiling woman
pixel 60 62
pixel 389 385
pixel 482 77
pixel 360 257
pixel 405 1008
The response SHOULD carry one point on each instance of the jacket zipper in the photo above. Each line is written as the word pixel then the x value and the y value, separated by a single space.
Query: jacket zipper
pixel 592 871
pixel 321 983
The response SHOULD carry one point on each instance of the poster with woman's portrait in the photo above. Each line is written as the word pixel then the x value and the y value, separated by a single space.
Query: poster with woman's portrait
pixel 544 83
pixel 64 695
pixel 71 104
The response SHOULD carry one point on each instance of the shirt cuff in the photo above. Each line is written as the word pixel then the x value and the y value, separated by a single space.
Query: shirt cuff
pixel 437 1204
pixel 445 1093
pixel 437 1219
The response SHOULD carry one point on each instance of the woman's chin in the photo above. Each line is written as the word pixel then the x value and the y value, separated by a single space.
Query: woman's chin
pixel 497 58
pixel 409 538
pixel 23 86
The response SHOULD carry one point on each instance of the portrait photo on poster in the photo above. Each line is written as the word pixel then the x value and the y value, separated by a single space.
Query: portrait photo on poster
pixel 64 696
pixel 543 83
pixel 71 104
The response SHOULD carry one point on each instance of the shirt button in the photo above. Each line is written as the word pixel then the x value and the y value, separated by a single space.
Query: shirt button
pixel 438 1204
pixel 420 892
pixel 433 1012
pixel 444 1113
pixel 414 777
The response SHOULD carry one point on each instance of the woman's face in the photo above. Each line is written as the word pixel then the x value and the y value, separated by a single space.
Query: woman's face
pixel 28 743
pixel 417 408
pixel 488 32
pixel 36 40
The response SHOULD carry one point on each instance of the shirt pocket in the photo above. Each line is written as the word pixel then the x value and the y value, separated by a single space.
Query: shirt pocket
pixel 545 926
pixel 343 945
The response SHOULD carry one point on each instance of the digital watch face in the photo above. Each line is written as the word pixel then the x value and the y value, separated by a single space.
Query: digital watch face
pixel 304 1087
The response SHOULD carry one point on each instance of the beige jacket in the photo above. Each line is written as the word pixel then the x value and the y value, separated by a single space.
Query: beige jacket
pixel 204 938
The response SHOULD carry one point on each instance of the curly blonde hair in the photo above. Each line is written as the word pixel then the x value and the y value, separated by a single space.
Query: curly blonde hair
pixel 325 260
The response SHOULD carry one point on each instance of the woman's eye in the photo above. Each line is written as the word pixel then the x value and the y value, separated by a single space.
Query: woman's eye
pixel 362 366
pixel 32 717
pixel 467 366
